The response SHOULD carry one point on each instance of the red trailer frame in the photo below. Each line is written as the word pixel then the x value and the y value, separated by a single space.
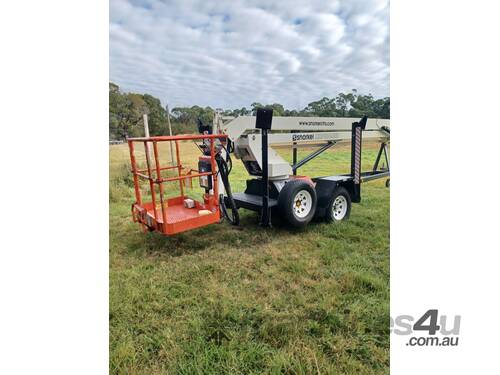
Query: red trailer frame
pixel 172 216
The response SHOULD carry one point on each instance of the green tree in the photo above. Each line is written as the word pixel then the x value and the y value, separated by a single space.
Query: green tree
pixel 185 118
pixel 366 105
pixel 124 116
pixel 325 107
pixel 362 105
pixel 237 112
pixel 278 109
pixel 157 115
pixel 382 108
pixel 126 112
pixel 343 102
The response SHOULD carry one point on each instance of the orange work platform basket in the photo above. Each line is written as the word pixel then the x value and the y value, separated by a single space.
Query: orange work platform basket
pixel 171 215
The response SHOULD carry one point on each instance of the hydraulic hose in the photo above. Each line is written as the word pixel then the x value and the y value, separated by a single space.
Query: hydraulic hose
pixel 225 170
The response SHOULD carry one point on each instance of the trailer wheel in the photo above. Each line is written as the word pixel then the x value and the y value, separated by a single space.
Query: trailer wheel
pixel 388 183
pixel 339 207
pixel 297 203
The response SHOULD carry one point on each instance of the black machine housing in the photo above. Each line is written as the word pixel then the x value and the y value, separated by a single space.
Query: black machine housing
pixel 204 166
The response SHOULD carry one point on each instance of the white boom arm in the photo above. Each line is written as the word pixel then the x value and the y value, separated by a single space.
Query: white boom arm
pixel 292 130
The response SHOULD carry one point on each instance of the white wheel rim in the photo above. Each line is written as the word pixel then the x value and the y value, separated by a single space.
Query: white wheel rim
pixel 339 207
pixel 302 204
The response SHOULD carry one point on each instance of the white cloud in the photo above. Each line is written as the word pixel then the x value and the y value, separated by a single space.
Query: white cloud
pixel 230 53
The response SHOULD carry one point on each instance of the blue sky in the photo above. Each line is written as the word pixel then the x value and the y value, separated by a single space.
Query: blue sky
pixel 229 54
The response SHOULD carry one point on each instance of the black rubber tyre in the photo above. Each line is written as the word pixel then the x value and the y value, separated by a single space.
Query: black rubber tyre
pixel 388 183
pixel 294 201
pixel 339 207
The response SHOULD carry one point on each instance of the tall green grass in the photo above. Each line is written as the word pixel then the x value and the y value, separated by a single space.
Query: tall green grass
pixel 247 300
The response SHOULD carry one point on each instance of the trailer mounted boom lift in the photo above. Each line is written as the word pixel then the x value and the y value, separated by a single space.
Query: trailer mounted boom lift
pixel 276 187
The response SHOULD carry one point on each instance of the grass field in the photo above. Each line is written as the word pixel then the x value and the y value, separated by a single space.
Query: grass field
pixel 244 300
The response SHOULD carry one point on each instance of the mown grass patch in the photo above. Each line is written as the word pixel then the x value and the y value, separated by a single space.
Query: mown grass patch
pixel 247 300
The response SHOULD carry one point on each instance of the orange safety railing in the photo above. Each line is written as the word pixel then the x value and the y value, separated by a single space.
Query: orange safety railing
pixel 173 216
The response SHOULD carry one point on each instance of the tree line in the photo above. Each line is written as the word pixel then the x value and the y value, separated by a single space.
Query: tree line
pixel 126 112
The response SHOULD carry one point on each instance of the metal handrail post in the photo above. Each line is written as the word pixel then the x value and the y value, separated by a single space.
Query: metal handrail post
pixel 138 197
pixel 160 184
pixel 179 167
pixel 151 183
